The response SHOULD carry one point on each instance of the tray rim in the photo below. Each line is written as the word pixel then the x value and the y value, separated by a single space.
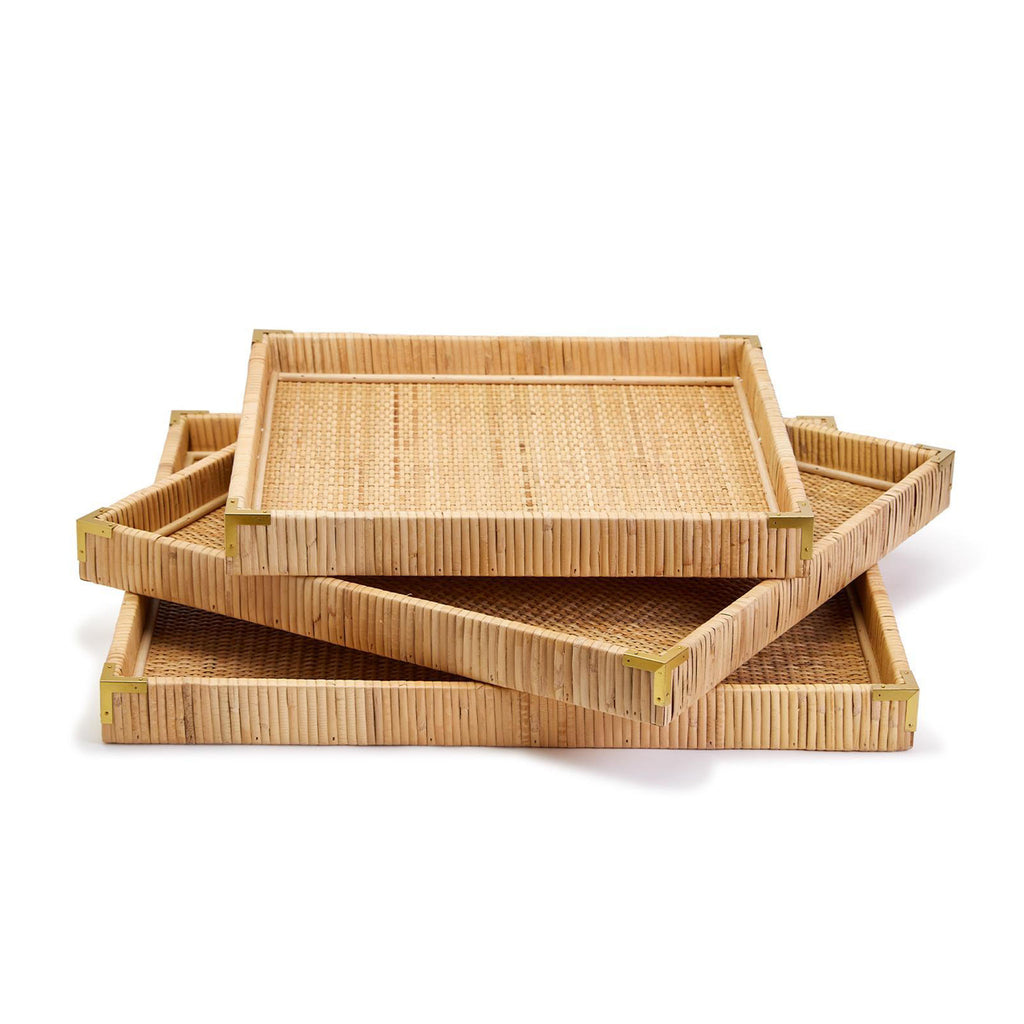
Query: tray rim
pixel 200 580
pixel 277 541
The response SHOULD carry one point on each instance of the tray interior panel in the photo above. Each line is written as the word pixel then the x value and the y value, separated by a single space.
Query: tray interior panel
pixel 188 642
pixel 538 449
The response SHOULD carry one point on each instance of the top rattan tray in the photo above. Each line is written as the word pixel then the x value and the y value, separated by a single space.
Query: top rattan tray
pixel 389 455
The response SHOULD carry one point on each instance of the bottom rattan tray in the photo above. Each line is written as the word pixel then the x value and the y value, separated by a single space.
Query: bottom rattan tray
pixel 198 677
pixel 838 680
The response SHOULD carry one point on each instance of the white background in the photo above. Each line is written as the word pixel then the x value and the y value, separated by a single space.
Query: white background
pixel 845 181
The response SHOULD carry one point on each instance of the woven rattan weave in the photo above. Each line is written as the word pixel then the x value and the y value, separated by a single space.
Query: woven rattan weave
pixel 642 649
pixel 211 679
pixel 389 455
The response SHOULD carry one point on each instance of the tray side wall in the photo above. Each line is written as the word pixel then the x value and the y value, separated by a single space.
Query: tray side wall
pixel 128 630
pixel 176 447
pixel 157 507
pixel 726 641
pixel 817 442
pixel 734 716
pixel 712 545
pixel 395 353
pixel 880 622
pixel 772 433
pixel 209 432
pixel 263 364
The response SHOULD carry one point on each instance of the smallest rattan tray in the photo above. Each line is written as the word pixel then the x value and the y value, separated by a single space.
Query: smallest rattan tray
pixel 420 456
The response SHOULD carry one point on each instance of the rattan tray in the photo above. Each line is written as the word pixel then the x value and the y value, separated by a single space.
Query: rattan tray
pixel 439 456
pixel 180 675
pixel 838 680
pixel 642 649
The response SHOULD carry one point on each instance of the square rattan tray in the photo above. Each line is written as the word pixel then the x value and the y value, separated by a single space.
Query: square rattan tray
pixel 641 649
pixel 390 455
pixel 838 680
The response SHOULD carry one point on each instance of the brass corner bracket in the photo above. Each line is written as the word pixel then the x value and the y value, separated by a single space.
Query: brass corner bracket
pixel 111 682
pixel 179 414
pixel 234 517
pixel 753 339
pixel 94 525
pixel 803 519
pixel 661 665
pixel 906 690
pixel 260 334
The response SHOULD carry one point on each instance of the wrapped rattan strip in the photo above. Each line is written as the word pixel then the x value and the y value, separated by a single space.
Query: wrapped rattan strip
pixel 458 714
pixel 131 621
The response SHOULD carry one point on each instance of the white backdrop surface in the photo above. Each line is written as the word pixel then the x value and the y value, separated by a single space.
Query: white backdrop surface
pixel 844 182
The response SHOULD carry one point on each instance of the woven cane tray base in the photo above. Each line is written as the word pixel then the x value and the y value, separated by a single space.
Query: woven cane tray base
pixel 374 449
pixel 571 640
pixel 362 454
pixel 211 679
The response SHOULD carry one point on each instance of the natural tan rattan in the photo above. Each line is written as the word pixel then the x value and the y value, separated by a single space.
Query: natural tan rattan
pixel 211 679
pixel 603 645
pixel 429 456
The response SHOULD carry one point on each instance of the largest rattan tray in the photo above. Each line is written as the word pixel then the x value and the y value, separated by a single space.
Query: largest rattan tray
pixel 423 456
pixel 642 649
pixel 838 680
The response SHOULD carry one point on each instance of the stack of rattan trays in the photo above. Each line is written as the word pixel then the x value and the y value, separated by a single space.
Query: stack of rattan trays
pixel 566 542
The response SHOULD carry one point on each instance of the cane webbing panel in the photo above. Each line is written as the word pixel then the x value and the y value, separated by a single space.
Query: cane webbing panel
pixel 189 642
pixel 490 449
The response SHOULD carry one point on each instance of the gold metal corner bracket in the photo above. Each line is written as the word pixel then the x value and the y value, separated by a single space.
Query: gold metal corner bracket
pixel 179 414
pixel 803 518
pixel 111 682
pixel 234 517
pixel 662 665
pixel 94 525
pixel 906 690
pixel 260 334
